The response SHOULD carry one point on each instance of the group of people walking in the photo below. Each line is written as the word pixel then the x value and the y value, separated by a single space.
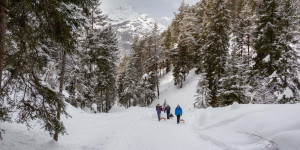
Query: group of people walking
pixel 167 109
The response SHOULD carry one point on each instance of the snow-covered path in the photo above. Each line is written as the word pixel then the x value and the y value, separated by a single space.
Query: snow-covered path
pixel 133 129
pixel 143 131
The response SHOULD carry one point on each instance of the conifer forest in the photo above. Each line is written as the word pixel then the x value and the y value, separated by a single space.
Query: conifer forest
pixel 55 53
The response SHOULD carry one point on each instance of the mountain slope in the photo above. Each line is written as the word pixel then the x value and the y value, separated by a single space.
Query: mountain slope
pixel 139 26
pixel 128 24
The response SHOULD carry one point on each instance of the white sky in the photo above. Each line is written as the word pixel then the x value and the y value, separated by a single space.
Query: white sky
pixel 157 9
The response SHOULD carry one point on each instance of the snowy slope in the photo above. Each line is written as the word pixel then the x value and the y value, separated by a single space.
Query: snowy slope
pixel 235 127
pixel 174 95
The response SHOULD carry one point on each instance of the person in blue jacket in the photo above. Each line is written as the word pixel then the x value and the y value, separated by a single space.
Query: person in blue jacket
pixel 178 113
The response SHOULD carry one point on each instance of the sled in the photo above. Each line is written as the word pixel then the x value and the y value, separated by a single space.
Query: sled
pixel 162 118
pixel 181 120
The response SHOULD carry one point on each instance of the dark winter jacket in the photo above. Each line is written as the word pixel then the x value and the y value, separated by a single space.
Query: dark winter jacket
pixel 158 108
pixel 178 111
pixel 167 109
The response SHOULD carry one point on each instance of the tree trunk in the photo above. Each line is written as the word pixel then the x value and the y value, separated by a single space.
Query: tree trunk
pixel 61 85
pixel 107 100
pixel 180 83
pixel 157 85
pixel 157 88
pixel 2 35
pixel 248 44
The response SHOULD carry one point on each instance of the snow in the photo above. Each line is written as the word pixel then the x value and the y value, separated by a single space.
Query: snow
pixel 235 105
pixel 273 75
pixel 287 93
pixel 132 129
pixel 267 58
pixel 235 127
pixel 66 94
pixel 94 107
pixel 254 55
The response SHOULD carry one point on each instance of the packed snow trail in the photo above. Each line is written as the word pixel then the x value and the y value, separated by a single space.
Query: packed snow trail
pixel 132 129
pixel 145 132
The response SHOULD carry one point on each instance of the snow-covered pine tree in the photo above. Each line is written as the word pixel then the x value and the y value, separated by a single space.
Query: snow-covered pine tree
pixel 84 79
pixel 216 47
pixel 154 56
pixel 167 46
pixel 202 92
pixel 104 57
pixel 276 59
pixel 148 86
pixel 232 86
pixel 37 30
pixel 183 55
pixel 247 19
pixel 176 22
pixel 201 22
pixel 128 89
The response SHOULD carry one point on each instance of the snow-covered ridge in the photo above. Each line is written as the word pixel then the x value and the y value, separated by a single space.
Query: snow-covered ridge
pixel 141 24
pixel 121 14
pixel 128 24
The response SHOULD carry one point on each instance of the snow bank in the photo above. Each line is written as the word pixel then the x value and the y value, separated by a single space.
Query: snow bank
pixel 241 126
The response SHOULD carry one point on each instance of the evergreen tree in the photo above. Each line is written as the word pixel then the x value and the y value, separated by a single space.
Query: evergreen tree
pixel 37 31
pixel 175 26
pixel 128 89
pixel 276 61
pixel 85 82
pixel 202 33
pixel 232 86
pixel 154 57
pixel 104 58
pixel 183 55
pixel 167 46
pixel 216 47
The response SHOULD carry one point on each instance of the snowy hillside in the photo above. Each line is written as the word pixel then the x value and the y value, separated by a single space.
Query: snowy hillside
pixel 174 95
pixel 235 127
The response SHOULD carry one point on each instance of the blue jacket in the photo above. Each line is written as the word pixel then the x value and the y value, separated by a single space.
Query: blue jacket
pixel 178 111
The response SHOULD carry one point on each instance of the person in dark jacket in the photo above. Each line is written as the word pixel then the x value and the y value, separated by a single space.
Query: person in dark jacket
pixel 178 113
pixel 168 110
pixel 158 110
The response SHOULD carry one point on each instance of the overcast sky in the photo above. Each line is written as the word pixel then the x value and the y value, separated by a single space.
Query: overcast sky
pixel 157 9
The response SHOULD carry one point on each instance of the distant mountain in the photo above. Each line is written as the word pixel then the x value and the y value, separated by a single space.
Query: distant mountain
pixel 128 24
